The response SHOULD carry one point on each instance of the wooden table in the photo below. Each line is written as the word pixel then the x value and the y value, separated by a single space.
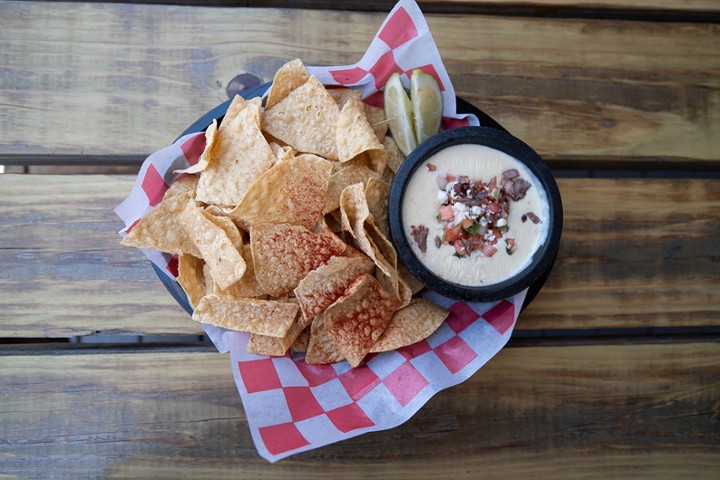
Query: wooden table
pixel 613 371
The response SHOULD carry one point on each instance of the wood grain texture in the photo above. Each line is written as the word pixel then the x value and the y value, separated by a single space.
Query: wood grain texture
pixel 634 253
pixel 122 79
pixel 64 271
pixel 592 412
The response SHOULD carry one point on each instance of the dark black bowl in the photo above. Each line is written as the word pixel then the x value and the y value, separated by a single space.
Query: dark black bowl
pixel 543 259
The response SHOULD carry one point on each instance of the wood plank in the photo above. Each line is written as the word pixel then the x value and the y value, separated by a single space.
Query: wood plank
pixel 634 253
pixel 646 411
pixel 118 79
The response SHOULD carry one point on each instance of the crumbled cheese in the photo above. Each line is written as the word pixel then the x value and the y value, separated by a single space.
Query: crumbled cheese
pixel 501 222
pixel 441 196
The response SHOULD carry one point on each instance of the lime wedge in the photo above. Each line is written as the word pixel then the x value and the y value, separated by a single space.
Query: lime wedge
pixel 399 114
pixel 427 104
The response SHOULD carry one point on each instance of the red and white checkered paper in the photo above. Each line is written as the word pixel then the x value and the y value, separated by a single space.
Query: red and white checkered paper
pixel 292 406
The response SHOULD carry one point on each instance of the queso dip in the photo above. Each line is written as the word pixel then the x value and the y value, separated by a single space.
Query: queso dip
pixel 474 215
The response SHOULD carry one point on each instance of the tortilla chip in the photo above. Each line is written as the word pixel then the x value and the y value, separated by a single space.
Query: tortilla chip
pixel 341 95
pixel 290 192
pixel 159 228
pixel 284 254
pixel 242 155
pixel 320 349
pixel 301 342
pixel 237 105
pixel 376 119
pixel 305 120
pixel 322 286
pixel 267 345
pixel 281 152
pixel 377 194
pixel 211 146
pixel 377 160
pixel 410 324
pixel 184 184
pixel 217 249
pixel 357 319
pixel 413 283
pixel 355 212
pixel 288 77
pixel 191 278
pixel 348 175
pixel 354 134
pixel 264 317
pixel 393 154
pixel 247 286
pixel 227 226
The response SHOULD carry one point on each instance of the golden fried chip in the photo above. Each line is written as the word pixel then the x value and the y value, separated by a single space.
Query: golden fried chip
pixel 320 350
pixel 413 283
pixel 376 118
pixel 247 286
pixel 227 226
pixel 393 154
pixel 265 317
pixel 301 342
pixel 242 155
pixel 159 228
pixel 357 319
pixel 342 95
pixel 211 146
pixel 184 184
pixel 354 134
pixel 377 160
pixel 305 120
pixel 226 264
pixel 354 213
pixel 377 194
pixel 347 175
pixel 281 152
pixel 267 345
pixel 191 278
pixel 290 192
pixel 237 105
pixel 283 254
pixel 322 286
pixel 410 324
pixel 288 77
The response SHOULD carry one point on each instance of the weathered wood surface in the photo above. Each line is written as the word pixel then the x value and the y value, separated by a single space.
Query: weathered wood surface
pixel 118 79
pixel 583 412
pixel 634 253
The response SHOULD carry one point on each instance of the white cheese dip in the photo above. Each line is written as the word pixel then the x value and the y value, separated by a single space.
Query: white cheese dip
pixel 427 191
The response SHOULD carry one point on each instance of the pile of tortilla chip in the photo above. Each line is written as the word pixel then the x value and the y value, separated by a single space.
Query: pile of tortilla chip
pixel 281 227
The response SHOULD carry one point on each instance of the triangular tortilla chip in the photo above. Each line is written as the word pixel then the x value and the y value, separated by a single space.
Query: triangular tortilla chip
pixel 265 317
pixel 267 345
pixel 410 324
pixel 241 156
pixel 290 192
pixel 217 249
pixel 377 195
pixel 305 120
pixel 288 77
pixel 357 319
pixel 283 254
pixel 322 286
pixel 320 350
pixel 247 286
pixel 191 278
pixel 354 134
pixel 159 228
pixel 349 174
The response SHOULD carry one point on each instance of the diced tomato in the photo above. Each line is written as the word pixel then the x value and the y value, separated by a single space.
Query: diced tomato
pixel 450 178
pixel 489 250
pixel 431 167
pixel 446 213
pixel 467 223
pixel 453 233
pixel 492 184
pixel 460 249
pixel 494 208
